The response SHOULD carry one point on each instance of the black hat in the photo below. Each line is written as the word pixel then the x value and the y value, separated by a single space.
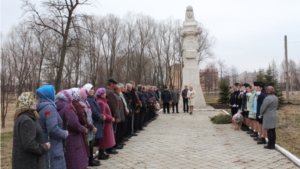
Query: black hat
pixel 246 85
pixel 112 80
pixel 236 84
pixel 255 83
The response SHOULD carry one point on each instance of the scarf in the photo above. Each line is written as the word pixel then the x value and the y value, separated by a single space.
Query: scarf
pixel 25 103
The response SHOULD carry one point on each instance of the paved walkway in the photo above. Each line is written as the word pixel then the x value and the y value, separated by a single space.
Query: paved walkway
pixel 178 141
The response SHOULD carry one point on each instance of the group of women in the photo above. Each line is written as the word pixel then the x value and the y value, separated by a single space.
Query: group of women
pixel 60 131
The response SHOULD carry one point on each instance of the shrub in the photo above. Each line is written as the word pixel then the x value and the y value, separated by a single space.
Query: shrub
pixel 221 119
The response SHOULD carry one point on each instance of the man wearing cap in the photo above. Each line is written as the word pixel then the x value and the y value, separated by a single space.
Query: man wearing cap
pixel 113 106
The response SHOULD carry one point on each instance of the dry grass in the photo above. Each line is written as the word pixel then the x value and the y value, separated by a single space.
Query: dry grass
pixel 6 149
pixel 288 131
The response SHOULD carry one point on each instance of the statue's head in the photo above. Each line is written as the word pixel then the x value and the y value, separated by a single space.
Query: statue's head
pixel 189 14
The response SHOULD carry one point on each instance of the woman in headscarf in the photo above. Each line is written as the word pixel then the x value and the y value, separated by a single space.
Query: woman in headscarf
pixel 28 147
pixel 51 124
pixel 108 139
pixel 75 152
pixel 85 119
pixel 191 96
pixel 97 117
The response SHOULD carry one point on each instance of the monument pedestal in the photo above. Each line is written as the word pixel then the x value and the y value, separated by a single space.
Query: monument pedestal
pixel 190 76
pixel 190 72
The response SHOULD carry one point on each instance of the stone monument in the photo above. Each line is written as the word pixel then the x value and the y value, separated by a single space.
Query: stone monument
pixel 190 48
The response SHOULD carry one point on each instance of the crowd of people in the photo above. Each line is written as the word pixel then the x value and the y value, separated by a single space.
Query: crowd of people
pixel 60 131
pixel 253 108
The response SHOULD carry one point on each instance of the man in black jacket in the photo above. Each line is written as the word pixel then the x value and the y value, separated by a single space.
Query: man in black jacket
pixel 166 98
pixel 234 101
pixel 185 99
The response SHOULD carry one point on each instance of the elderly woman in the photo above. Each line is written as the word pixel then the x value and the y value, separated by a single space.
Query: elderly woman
pixel 191 95
pixel 85 119
pixel 89 121
pixel 28 148
pixel 269 114
pixel 97 117
pixel 76 156
pixel 108 139
pixel 51 124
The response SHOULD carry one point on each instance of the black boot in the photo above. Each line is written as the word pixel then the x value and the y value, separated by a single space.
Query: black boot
pixel 261 141
pixel 101 155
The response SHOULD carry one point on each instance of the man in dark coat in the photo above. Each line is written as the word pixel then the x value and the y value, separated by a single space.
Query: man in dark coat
pixel 113 106
pixel 185 99
pixel 136 105
pixel 261 92
pixel 234 102
pixel 143 109
pixel 166 98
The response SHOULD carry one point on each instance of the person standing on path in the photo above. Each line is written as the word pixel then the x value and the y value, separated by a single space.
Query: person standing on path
pixel 166 98
pixel 185 99
pixel 175 95
pixel 269 114
pixel 75 151
pixel 52 125
pixel 191 96
pixel 28 148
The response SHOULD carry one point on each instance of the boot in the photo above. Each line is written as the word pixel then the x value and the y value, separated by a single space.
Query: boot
pixel 250 132
pixel 101 155
pixel 261 141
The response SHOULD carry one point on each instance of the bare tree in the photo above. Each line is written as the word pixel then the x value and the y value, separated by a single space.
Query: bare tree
pixel 205 46
pixel 58 19
pixel 7 84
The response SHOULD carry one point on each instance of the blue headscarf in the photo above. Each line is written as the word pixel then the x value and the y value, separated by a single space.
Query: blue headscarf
pixel 46 92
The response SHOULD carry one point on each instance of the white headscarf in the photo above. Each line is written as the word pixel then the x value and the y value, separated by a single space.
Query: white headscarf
pixel 88 87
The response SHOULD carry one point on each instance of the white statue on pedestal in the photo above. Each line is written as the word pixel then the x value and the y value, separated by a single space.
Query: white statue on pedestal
pixel 190 49
pixel 190 33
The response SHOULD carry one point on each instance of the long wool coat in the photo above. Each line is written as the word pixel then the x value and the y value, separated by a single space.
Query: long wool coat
pixel 28 148
pixel 108 139
pixel 268 111
pixel 52 124
pixel 76 155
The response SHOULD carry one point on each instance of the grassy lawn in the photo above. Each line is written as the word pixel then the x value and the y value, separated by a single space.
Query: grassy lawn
pixel 6 149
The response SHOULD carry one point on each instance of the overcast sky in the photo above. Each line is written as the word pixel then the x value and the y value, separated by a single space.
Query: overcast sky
pixel 248 34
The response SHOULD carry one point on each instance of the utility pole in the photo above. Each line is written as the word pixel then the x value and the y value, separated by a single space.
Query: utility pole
pixel 287 70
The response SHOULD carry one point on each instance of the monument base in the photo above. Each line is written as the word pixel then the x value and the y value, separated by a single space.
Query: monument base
pixel 190 76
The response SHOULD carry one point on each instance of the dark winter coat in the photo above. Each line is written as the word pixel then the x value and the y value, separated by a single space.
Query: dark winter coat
pixel 143 100
pixel 52 124
pixel 244 101
pixel 260 100
pixel 184 93
pixel 96 115
pixel 75 155
pixel 28 148
pixel 166 96
pixel 112 102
